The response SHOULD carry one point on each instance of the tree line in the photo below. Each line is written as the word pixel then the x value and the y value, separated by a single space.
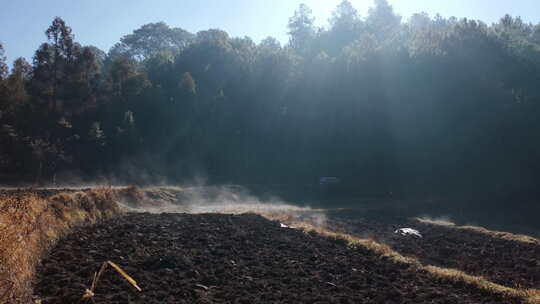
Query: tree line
pixel 424 105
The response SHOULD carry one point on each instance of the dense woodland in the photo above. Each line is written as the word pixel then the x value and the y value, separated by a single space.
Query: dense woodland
pixel 424 105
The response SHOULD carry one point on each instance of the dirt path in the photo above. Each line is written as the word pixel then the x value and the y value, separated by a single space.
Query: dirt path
pixel 181 258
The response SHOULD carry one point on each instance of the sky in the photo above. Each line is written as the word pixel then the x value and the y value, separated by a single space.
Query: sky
pixel 103 22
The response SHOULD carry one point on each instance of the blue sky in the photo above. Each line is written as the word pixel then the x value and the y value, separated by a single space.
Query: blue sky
pixel 103 22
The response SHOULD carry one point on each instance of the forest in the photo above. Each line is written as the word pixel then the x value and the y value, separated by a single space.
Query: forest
pixel 427 105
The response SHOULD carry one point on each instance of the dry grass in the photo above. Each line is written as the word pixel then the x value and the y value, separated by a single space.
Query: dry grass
pixel 89 293
pixel 498 234
pixel 531 296
pixel 30 224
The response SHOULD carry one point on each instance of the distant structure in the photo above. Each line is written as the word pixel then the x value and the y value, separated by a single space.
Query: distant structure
pixel 329 180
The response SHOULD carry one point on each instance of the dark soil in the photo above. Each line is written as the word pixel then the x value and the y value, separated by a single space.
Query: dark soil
pixel 506 262
pixel 181 258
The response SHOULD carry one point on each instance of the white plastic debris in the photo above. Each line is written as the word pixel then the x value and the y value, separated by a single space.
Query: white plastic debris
pixel 284 226
pixel 408 231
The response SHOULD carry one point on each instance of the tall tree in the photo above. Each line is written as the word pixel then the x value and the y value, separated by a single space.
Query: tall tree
pixel 302 29
pixel 344 16
pixel 3 86
pixel 16 86
pixel 53 63
pixel 511 28
pixel 535 35
pixel 152 39
pixel 61 39
pixel 382 21
pixel 125 79
pixel 346 27
pixel 3 65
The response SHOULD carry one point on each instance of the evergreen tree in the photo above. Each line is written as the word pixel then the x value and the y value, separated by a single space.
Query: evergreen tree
pixel 302 29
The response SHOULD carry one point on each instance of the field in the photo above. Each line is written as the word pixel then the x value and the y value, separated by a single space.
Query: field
pixel 217 246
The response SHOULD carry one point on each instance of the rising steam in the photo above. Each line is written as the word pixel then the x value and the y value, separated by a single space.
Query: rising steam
pixel 222 199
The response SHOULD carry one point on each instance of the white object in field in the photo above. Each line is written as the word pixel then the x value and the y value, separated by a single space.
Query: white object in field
pixel 408 231
pixel 284 226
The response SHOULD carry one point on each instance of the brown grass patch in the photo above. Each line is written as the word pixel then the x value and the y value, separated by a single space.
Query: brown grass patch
pixel 531 296
pixel 498 234
pixel 30 224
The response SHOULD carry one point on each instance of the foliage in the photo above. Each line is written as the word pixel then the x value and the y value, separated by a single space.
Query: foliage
pixel 153 39
pixel 430 104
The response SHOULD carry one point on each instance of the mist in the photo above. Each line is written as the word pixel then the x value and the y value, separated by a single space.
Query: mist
pixel 428 115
